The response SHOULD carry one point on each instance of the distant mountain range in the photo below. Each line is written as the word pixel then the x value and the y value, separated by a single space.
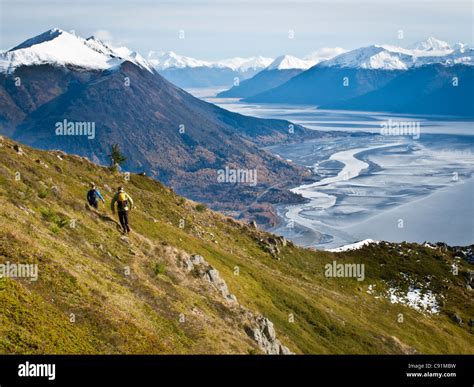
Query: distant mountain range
pixel 187 72
pixel 431 78
pixel 278 72
pixel 386 57
pixel 161 129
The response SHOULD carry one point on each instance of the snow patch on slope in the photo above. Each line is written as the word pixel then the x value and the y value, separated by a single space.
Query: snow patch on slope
pixel 418 299
pixel 354 246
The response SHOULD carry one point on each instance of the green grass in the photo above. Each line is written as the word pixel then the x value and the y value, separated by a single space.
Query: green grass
pixel 43 194
pixel 82 271
pixel 58 220
pixel 201 207
pixel 159 268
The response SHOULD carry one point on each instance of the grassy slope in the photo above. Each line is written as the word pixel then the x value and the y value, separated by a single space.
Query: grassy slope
pixel 82 271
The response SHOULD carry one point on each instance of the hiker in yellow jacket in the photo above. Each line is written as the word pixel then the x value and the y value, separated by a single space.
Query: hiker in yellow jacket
pixel 124 204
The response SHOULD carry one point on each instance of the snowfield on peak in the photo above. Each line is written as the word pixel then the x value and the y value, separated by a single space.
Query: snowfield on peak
pixel 431 44
pixel 245 64
pixel 389 57
pixel 170 59
pixel 61 48
pixel 289 62
pixel 165 60
pixel 372 57
pixel 134 57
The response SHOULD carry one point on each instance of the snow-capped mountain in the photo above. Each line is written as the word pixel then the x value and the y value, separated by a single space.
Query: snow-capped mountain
pixel 170 59
pixel 61 48
pixel 372 57
pixel 289 62
pixel 255 63
pixel 126 54
pixel 190 72
pixel 388 57
pixel 278 72
pixel 275 74
pixel 431 44
pixel 462 54
pixel 264 80
pixel 60 81
pixel 386 78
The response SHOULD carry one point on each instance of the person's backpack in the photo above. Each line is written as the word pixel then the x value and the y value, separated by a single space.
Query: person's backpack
pixel 92 197
pixel 122 202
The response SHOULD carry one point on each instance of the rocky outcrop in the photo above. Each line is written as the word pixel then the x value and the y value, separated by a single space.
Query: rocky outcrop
pixel 399 346
pixel 263 333
pixel 463 252
pixel 198 265
pixel 257 327
pixel 18 149
pixel 466 253
pixel 457 319
pixel 273 245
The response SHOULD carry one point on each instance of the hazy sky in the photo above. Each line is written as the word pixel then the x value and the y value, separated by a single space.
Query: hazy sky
pixel 219 29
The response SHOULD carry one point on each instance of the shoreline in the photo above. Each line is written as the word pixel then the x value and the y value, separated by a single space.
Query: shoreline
pixel 426 205
pixel 309 231
pixel 353 167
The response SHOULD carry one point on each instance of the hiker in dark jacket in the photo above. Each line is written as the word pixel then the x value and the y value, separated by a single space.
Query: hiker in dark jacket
pixel 92 195
pixel 124 204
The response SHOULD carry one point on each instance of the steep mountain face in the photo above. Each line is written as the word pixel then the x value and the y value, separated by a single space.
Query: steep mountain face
pixel 434 89
pixel 322 85
pixel 162 130
pixel 385 78
pixel 278 72
pixel 189 72
pixel 30 87
pixel 263 81
pixel 208 285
